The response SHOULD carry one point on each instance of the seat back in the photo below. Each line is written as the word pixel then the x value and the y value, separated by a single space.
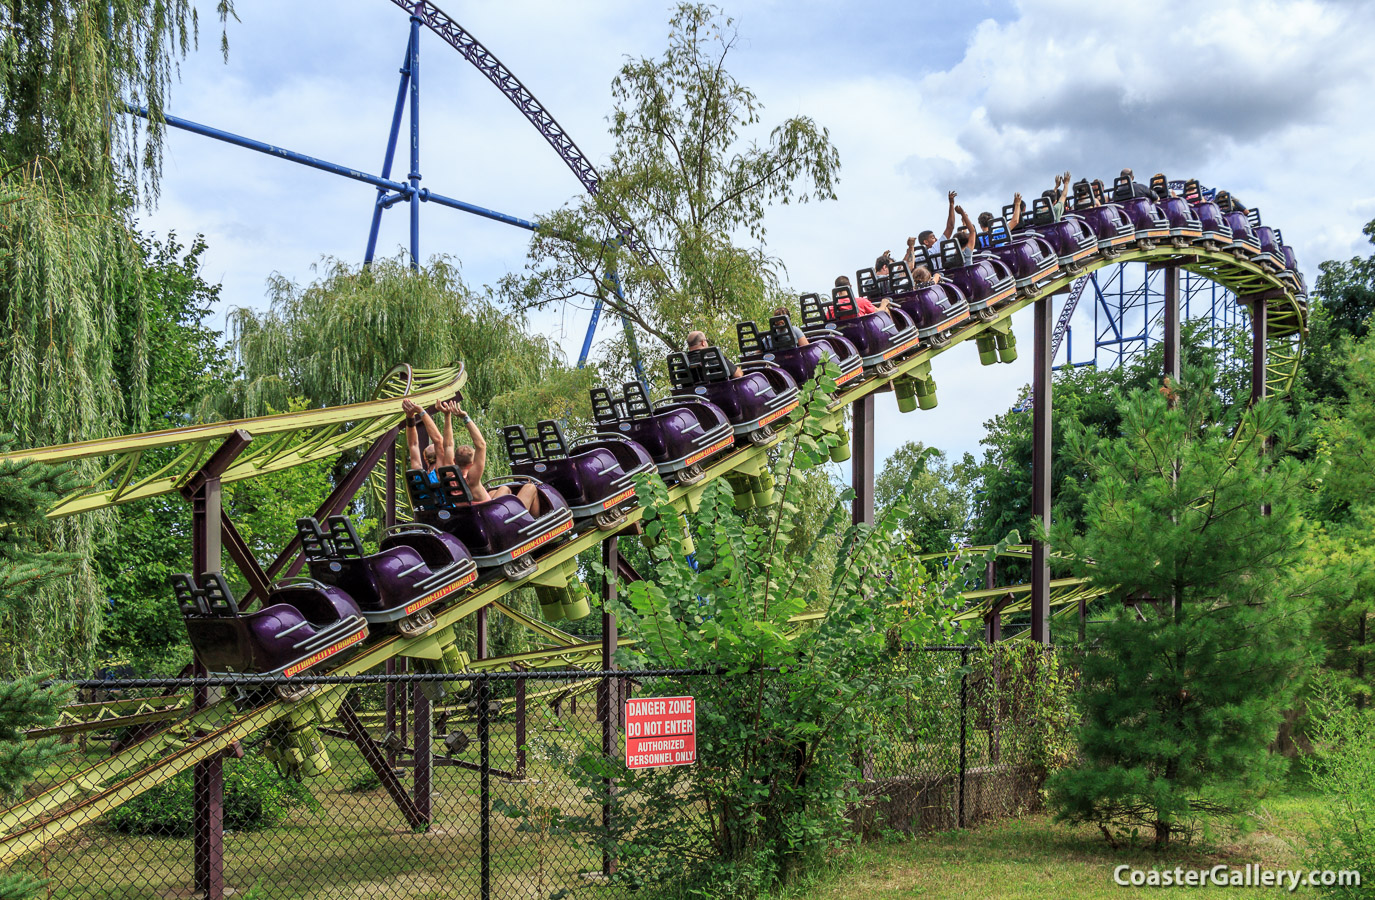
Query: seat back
pixel 752 344
pixel 519 449
pixel 843 302
pixel 425 495
pixel 315 544
pixel 552 444
pixel 996 236
pixel 900 279
pixel 218 597
pixel 190 598
pixel 687 369
pixel 452 488
pixel 781 332
pixel 1122 189
pixel 344 538
pixel 816 310
pixel 1160 186
pixel 951 257
pixel 1193 192
pixel 871 285
pixel 1083 194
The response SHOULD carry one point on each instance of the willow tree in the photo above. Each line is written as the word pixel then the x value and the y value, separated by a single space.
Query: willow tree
pixel 73 355
pixel 688 190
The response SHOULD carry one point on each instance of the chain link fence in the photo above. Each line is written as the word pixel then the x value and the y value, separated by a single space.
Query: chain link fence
pixel 412 785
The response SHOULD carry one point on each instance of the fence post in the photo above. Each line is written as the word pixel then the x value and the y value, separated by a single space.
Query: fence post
pixel 424 751
pixel 607 707
pixel 520 730
pixel 484 785
pixel 964 707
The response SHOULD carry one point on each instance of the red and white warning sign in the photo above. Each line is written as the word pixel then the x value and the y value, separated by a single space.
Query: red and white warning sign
pixel 660 731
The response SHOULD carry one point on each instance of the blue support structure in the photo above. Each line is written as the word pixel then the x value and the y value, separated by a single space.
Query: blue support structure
pixel 390 191
pixel 395 132
pixel 414 174
pixel 1129 315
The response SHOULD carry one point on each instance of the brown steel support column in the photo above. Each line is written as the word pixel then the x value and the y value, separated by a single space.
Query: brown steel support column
pixel 1040 471
pixel 207 777
pixel 1172 325
pixel 607 710
pixel 862 460
pixel 424 753
pixel 520 729
pixel 391 713
pixel 1259 334
pixel 378 763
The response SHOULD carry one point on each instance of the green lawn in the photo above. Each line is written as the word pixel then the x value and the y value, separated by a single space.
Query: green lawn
pixel 1034 858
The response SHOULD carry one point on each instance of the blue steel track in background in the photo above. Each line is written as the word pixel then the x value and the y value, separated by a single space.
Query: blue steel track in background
pixel 391 191
pixel 1127 314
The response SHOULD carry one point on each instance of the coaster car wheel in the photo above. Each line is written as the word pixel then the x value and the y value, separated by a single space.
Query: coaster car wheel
pixel 987 314
pixel 520 569
pixel 762 436
pixel 610 519
pixel 690 475
pixel 293 693
pixel 940 339
pixel 1145 244
pixel 418 624
pixel 887 367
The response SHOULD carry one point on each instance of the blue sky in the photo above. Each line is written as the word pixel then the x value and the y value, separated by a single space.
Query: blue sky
pixel 1267 99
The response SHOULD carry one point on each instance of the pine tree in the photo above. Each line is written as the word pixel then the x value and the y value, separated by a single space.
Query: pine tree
pixel 26 489
pixel 1194 520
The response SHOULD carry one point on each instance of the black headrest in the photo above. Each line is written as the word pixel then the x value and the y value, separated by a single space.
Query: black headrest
pixel 900 278
pixel 518 446
pixel 951 257
pixel 189 597
pixel 843 302
pixel 705 365
pixel 781 332
pixel 218 596
pixel 452 488
pixel 424 495
pixel 815 310
pixel 314 542
pixel 344 538
pixel 1122 189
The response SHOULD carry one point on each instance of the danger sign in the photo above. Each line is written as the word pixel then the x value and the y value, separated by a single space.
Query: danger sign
pixel 660 731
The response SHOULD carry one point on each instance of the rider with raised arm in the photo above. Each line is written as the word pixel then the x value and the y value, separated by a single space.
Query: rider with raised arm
pixel 435 454
pixel 471 460
pixel 928 237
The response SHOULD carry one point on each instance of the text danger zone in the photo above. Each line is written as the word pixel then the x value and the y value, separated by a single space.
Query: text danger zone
pixel 660 731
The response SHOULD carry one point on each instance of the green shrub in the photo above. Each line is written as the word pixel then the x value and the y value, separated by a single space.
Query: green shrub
pixel 256 796
pixel 1343 768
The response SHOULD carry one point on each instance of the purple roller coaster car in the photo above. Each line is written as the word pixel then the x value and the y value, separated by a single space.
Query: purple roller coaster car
pixel 1145 214
pixel 753 402
pixel 595 475
pixel 499 532
pixel 937 307
pixel 678 436
pixel 1108 221
pixel 778 347
pixel 416 566
pixel 1213 224
pixel 1185 226
pixel 1071 237
pixel 1291 274
pixel 986 282
pixel 1271 256
pixel 1030 257
pixel 880 337
pixel 302 624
